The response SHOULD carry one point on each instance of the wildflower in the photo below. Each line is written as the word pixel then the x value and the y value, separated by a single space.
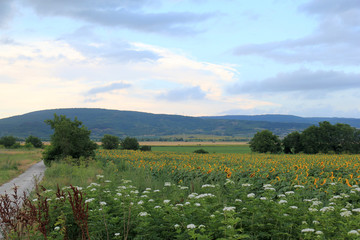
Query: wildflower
pixel 143 214
pixel 190 226
pixel 151 200
pixel 289 192
pixel 316 203
pixel 99 176
pixel 89 200
pixel 107 181
pixel 212 215
pixel 176 226
pixel 270 189
pixel 134 191
pixel 157 207
pixel 313 210
pixel 179 205
pixel 141 202
pixel 228 181
pixel 93 184
pixel 184 188
pixel 251 195
pixel 298 186
pixel 316 222
pixel 285 214
pixel 281 195
pixel 205 195
pixel 238 200
pixel 117 234
pixel 293 207
pixel 229 226
pixel 356 210
pixel 144 196
pixel 267 185
pixel 145 192
pixel 246 184
pixel 167 184
pixel 34 200
pixel 197 204
pixel 166 201
pixel 306 230
pixel 228 209
pixel 326 209
pixel 353 232
pixel 346 214
pixel 57 228
pixel 102 203
pixel 157 190
pixel 207 186
pixel 119 194
pixel 201 226
pixel 93 190
pixel 319 232
pixel 187 203
pixel 192 195
pixel 263 198
pixel 282 202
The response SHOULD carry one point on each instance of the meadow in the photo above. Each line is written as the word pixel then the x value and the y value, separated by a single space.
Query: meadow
pixel 209 148
pixel 173 195
pixel 14 162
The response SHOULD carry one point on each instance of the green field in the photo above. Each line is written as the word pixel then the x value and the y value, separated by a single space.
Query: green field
pixel 210 149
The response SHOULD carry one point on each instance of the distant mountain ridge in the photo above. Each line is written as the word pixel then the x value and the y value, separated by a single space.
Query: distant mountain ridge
pixel 355 122
pixel 140 124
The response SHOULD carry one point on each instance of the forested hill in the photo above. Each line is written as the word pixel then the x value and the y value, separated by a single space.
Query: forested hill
pixel 354 122
pixel 139 124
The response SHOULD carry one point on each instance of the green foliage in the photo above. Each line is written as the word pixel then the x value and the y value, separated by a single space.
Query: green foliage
pixel 35 141
pixel 130 143
pixel 110 142
pixel 200 151
pixel 8 141
pixel 292 143
pixel 70 138
pixel 265 141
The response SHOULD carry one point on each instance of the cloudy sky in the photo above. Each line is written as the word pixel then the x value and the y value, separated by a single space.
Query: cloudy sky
pixel 187 57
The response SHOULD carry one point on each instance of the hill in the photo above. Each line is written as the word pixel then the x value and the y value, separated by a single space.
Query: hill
pixel 139 124
pixel 279 118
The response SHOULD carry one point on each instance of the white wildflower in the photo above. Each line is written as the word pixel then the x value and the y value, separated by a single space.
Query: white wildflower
pixel 117 234
pixel 190 226
pixel 263 198
pixel 246 184
pixel 167 184
pixel 313 210
pixel 157 190
pixel 282 202
pixel 89 200
pixel 207 186
pixel 184 187
pixel 319 233
pixel 293 207
pixel 166 201
pixel 107 181
pixel 346 214
pixel 197 204
pixel 298 186
pixel 229 209
pixel 353 232
pixel 281 195
pixel 157 207
pixel 270 189
pixel 306 230
pixel 316 222
pixel 141 202
pixel 205 195
pixel 289 192
pixel 327 209
pixel 151 200
pixel 238 200
pixel 201 226
pixel 176 226
pixel 251 195
pixel 143 214
pixel 99 176
pixel 57 228
pixel 356 210
pixel 102 203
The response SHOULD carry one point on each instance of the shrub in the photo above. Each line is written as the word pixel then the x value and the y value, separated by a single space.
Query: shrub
pixel 130 143
pixel 35 141
pixel 7 141
pixel 110 142
pixel 202 151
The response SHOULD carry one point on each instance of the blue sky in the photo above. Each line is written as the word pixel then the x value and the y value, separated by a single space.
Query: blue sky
pixel 187 57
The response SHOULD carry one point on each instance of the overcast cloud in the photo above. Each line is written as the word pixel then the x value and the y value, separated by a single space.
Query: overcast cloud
pixel 302 80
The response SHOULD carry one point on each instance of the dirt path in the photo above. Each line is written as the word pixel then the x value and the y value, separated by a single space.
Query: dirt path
pixel 26 181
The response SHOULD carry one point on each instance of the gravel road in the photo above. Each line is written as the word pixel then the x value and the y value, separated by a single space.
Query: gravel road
pixel 26 181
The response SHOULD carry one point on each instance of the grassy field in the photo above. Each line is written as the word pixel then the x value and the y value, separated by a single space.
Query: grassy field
pixel 174 195
pixel 15 162
pixel 210 149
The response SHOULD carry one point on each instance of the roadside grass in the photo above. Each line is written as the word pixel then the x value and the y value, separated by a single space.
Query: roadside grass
pixel 14 162
pixel 210 149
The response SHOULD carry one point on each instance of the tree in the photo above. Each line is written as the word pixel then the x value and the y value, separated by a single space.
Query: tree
pixel 35 141
pixel 110 142
pixel 8 141
pixel 265 141
pixel 292 143
pixel 70 138
pixel 130 143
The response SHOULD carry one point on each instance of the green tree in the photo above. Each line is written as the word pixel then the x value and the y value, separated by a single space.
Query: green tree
pixel 265 141
pixel 35 141
pixel 130 143
pixel 110 142
pixel 8 141
pixel 292 143
pixel 70 138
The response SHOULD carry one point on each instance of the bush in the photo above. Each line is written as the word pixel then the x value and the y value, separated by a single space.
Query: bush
pixel 265 141
pixel 7 141
pixel 130 143
pixel 110 142
pixel 202 151
pixel 35 141
pixel 70 138
pixel 145 148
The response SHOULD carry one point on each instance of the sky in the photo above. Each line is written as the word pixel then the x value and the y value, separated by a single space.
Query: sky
pixel 186 57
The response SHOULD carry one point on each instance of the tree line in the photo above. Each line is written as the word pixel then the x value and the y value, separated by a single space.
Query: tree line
pixel 325 138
